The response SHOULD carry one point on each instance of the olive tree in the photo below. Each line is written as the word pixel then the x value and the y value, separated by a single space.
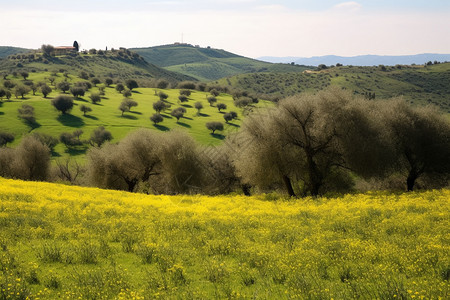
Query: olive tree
pixel 45 90
pixel 99 136
pixel 160 106
pixel 421 140
pixel 95 98
pixel 314 139
pixel 178 113
pixel 85 109
pixel 156 118
pixel 123 166
pixel 221 106
pixel 64 86
pixel 198 106
pixel 31 160
pixel 63 103
pixel 213 126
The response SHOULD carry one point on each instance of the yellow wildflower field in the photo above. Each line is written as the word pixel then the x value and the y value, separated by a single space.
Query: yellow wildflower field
pixel 67 242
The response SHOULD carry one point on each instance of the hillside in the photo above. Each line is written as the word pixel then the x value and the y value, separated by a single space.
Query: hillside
pixel 361 60
pixel 120 64
pixel 5 51
pixel 107 114
pixel 67 242
pixel 206 63
pixel 418 84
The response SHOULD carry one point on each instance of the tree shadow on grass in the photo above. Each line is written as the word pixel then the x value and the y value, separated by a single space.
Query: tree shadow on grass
pixel 188 118
pixel 166 116
pixel 231 124
pixel 135 112
pixel 161 127
pixel 130 117
pixel 70 120
pixel 186 105
pixel 203 115
pixel 136 92
pixel 55 154
pixel 80 99
pixel 1 113
pixel 33 125
pixel 218 136
pixel 91 117
pixel 76 151
pixel 184 124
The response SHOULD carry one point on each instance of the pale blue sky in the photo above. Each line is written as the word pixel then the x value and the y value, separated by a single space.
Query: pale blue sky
pixel 248 27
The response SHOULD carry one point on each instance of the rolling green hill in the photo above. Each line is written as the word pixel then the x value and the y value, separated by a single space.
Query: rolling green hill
pixel 206 63
pixel 5 51
pixel 107 114
pixel 119 64
pixel 418 84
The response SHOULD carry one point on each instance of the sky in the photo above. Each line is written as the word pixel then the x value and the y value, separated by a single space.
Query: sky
pixel 253 28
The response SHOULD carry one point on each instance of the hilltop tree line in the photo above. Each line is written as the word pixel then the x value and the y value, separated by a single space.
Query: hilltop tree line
pixel 308 144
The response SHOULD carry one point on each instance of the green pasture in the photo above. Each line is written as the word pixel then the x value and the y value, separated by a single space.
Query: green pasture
pixel 107 114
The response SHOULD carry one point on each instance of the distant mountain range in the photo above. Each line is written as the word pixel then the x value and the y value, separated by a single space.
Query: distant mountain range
pixel 360 60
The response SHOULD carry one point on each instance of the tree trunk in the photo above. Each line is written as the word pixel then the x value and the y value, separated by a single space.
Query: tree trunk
pixel 246 189
pixel 315 179
pixel 411 180
pixel 287 183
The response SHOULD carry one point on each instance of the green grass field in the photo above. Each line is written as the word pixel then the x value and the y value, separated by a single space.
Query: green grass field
pixel 107 114
pixel 208 64
pixel 64 242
